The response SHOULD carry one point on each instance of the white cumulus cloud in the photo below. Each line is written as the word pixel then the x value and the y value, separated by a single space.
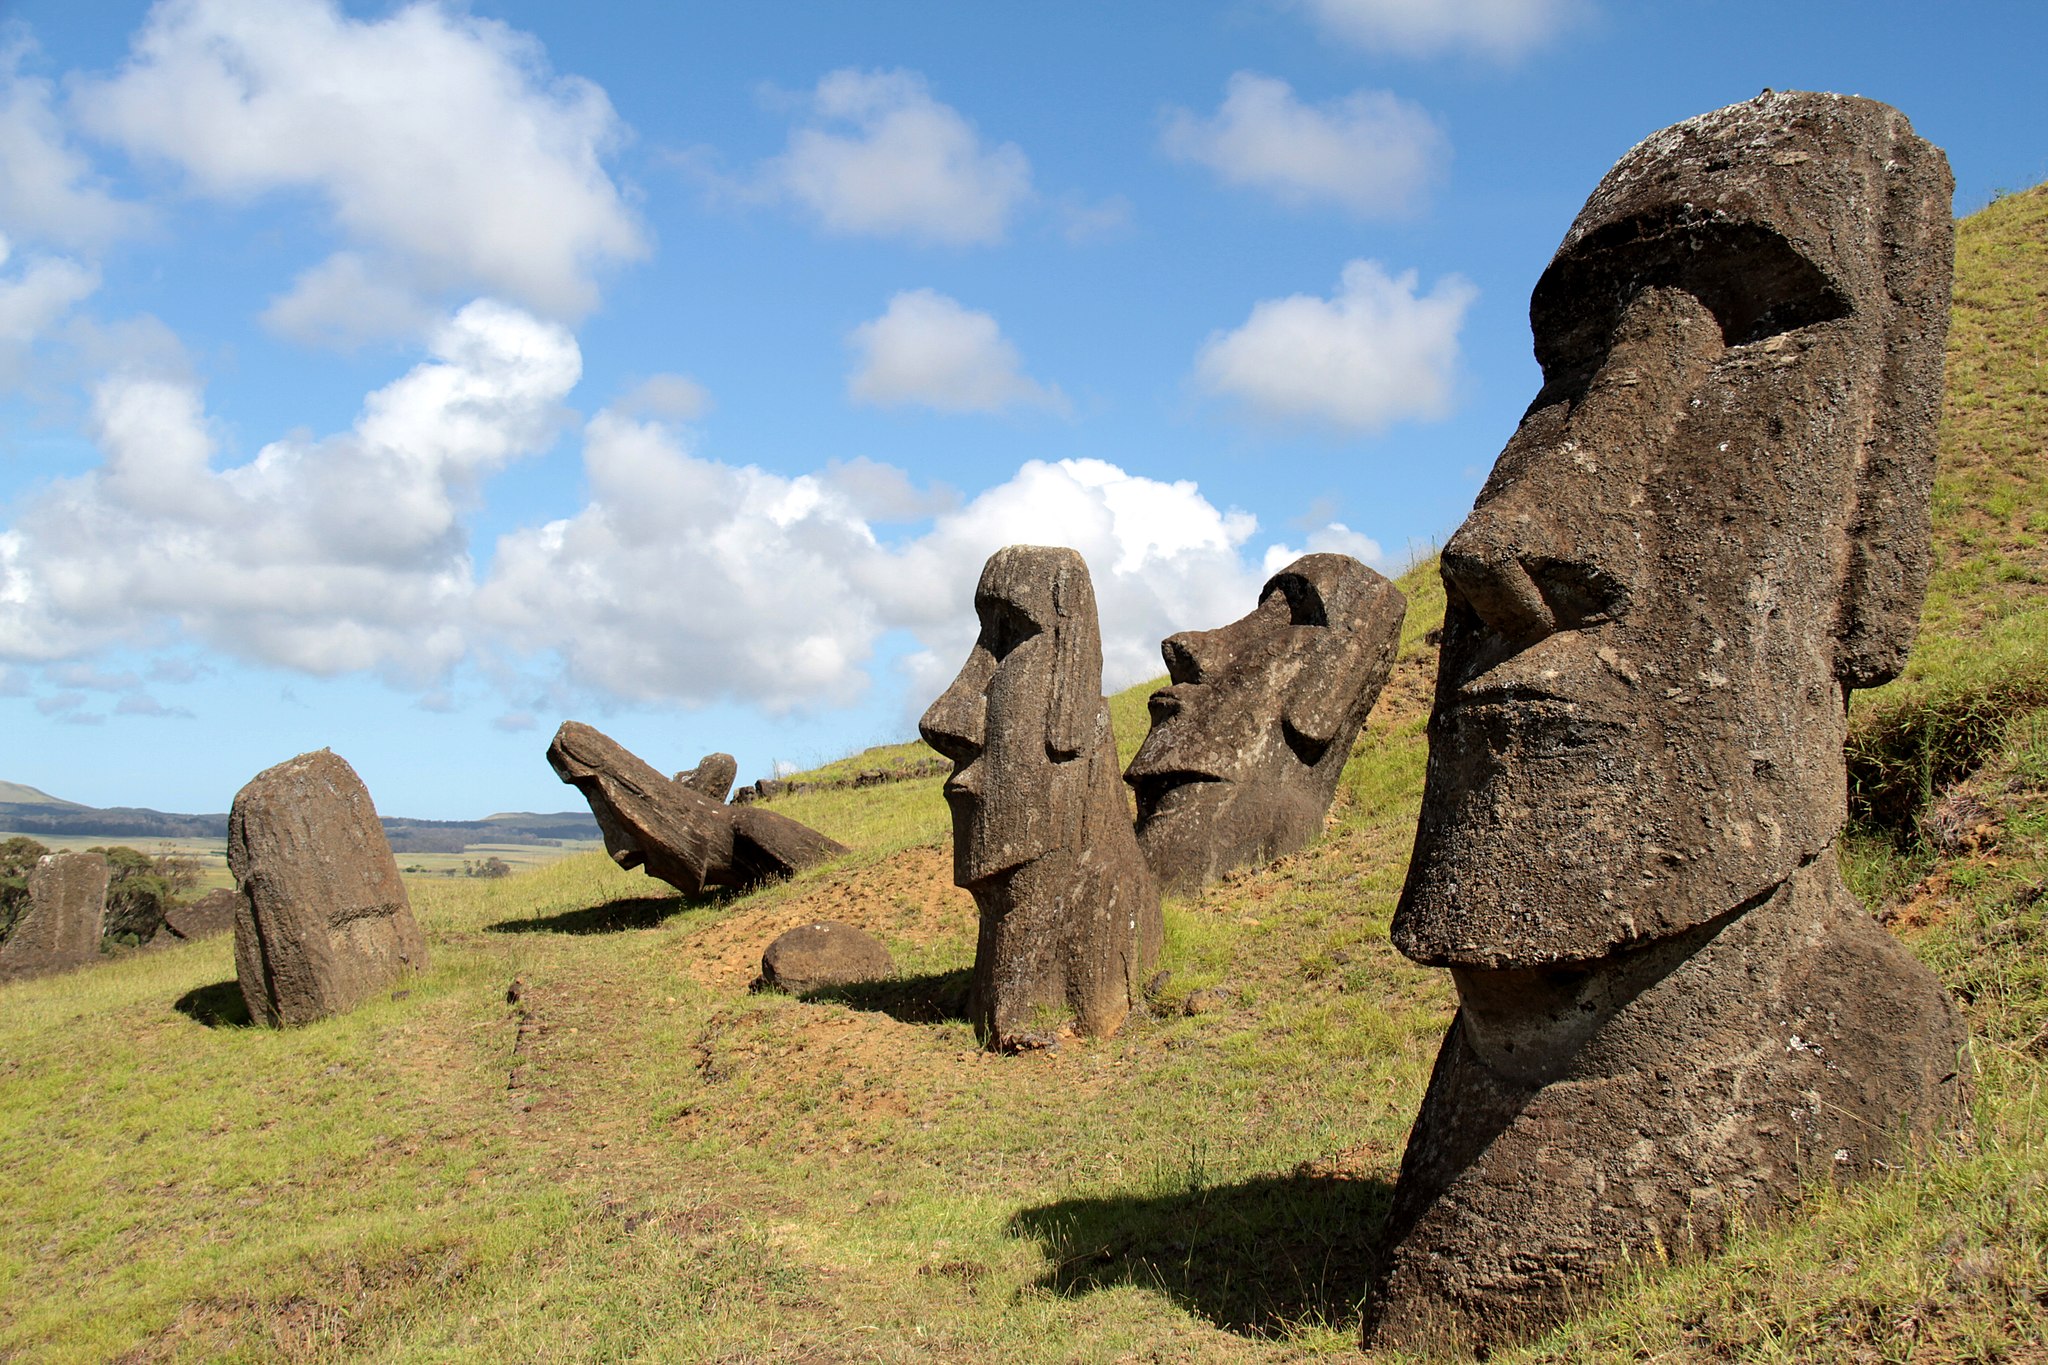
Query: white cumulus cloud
pixel 48 190
pixel 928 350
pixel 327 556
pixel 443 144
pixel 1370 152
pixel 34 298
pixel 1335 538
pixel 1375 353
pixel 1502 30
pixel 882 158
pixel 689 581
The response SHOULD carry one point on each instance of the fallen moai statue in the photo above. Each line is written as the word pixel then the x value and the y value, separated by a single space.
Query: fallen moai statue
pixel 679 835
pixel 1042 836
pixel 1711 524
pixel 324 922
pixel 1251 733
pixel 60 926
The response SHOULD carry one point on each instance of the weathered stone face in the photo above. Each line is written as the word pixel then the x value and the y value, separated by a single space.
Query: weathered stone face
pixel 1021 720
pixel 670 827
pixel 1251 735
pixel 324 922
pixel 61 926
pixel 647 820
pixel 1041 833
pixel 1711 522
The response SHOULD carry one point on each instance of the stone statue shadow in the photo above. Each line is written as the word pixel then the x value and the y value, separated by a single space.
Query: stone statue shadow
pixel 217 1006
pixel 637 912
pixel 1258 1258
pixel 926 998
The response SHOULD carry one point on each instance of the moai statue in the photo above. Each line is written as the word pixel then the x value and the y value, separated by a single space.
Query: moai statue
pixel 674 830
pixel 61 925
pixel 1251 735
pixel 712 777
pixel 1711 524
pixel 324 921
pixel 1041 829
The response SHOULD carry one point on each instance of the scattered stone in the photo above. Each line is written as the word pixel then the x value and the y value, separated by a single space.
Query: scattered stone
pixel 213 913
pixel 679 835
pixel 1711 524
pixel 60 926
pixel 1209 1000
pixel 827 953
pixel 713 776
pixel 1159 982
pixel 1250 735
pixel 1042 836
pixel 324 922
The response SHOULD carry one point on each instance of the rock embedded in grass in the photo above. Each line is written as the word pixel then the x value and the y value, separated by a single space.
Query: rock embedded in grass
pixel 324 922
pixel 815 956
pixel 60 926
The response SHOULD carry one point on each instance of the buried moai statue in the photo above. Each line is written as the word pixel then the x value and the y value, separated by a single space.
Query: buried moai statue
pixel 324 922
pixel 1711 524
pixel 60 927
pixel 1041 829
pixel 670 827
pixel 1251 734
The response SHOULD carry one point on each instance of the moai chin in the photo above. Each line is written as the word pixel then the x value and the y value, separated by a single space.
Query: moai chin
pixel 1710 525
pixel 1250 735
pixel 1041 831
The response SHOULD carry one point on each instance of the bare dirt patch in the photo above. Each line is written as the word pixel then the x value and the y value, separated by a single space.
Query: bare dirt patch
pixel 905 899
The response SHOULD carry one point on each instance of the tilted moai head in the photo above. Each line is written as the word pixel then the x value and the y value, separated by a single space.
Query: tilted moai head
pixel 1022 718
pixel 1710 524
pixel 1069 914
pixel 1251 734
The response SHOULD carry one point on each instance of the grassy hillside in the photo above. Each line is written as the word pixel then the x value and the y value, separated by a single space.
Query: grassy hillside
pixel 14 793
pixel 639 1159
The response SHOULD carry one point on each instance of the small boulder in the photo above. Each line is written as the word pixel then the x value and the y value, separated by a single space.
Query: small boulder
pixel 213 913
pixel 814 956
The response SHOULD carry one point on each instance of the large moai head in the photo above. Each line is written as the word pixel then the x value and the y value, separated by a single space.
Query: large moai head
pixel 1024 716
pixel 1251 734
pixel 1710 524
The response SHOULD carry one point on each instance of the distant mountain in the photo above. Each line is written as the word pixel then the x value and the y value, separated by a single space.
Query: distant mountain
pixel 24 810
pixel 15 794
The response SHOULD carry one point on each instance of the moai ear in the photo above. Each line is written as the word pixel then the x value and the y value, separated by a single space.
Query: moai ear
pixel 1889 535
pixel 1355 651
pixel 1076 708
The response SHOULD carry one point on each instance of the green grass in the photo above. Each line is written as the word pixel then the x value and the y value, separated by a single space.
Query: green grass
pixel 641 1160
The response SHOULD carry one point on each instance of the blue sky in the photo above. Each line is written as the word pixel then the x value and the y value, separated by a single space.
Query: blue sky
pixel 407 380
